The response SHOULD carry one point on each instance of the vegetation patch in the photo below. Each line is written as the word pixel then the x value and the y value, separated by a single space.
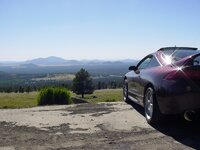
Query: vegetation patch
pixel 106 95
pixel 18 100
pixel 54 95
pixel 26 100
pixel 56 77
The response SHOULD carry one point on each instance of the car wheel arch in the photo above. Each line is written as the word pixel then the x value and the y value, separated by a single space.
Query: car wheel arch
pixel 154 88
pixel 157 115
pixel 145 89
pixel 125 78
pixel 147 86
pixel 126 99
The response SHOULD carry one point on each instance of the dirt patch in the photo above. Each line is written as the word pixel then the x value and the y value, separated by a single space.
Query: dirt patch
pixel 96 109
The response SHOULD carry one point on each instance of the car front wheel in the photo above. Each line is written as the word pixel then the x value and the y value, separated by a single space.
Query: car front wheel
pixel 125 91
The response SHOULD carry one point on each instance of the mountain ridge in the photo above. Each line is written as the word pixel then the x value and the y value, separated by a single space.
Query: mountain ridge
pixel 58 61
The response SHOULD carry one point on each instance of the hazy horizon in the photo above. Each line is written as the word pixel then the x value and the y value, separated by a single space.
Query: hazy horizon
pixel 66 59
pixel 101 29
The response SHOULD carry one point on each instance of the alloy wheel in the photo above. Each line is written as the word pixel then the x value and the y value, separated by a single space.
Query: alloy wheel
pixel 149 103
pixel 125 91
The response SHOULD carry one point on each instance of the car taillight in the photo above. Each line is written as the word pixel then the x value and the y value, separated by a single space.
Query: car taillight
pixel 186 73
pixel 174 75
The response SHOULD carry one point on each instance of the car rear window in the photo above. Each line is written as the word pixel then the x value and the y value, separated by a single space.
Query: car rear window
pixel 179 54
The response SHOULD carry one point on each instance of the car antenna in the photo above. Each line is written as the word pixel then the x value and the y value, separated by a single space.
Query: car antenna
pixel 174 48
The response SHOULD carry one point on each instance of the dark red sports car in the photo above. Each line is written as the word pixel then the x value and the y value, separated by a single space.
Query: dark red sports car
pixel 165 82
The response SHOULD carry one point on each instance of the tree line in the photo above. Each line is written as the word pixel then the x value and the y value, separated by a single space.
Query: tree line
pixel 30 86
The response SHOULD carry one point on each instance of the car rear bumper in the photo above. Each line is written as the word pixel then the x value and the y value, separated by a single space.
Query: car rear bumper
pixel 178 98
pixel 179 104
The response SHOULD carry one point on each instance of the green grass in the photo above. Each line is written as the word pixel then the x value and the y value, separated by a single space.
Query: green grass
pixel 18 100
pixel 57 77
pixel 107 95
pixel 26 100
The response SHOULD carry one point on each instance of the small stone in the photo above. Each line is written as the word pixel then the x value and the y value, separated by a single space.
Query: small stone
pixel 58 133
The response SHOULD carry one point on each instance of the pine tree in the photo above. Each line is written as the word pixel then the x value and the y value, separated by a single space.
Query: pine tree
pixel 82 83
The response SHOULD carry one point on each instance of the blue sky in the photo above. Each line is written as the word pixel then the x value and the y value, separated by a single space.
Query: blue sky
pixel 95 29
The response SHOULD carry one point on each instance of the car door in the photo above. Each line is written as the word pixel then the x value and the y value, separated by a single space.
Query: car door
pixel 133 78
pixel 145 75
pixel 135 81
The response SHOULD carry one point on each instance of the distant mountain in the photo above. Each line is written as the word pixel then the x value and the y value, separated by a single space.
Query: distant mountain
pixel 58 65
pixel 1 72
pixel 47 61
pixel 57 61
pixel 128 60
pixel 9 63
pixel 30 65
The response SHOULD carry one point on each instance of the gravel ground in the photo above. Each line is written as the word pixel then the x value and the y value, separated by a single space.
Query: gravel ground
pixel 92 126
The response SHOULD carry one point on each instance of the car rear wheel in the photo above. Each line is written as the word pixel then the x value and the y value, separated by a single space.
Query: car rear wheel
pixel 125 91
pixel 152 112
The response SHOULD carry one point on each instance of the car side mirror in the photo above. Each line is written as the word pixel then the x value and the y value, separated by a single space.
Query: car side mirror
pixel 134 68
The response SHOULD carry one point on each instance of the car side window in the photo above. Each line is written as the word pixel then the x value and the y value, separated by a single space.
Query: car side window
pixel 148 62
pixel 153 62
pixel 144 63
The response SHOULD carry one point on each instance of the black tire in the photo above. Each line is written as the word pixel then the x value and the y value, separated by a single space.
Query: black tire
pixel 125 92
pixel 151 109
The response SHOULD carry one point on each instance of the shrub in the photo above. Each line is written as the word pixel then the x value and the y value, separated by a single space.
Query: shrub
pixel 50 96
